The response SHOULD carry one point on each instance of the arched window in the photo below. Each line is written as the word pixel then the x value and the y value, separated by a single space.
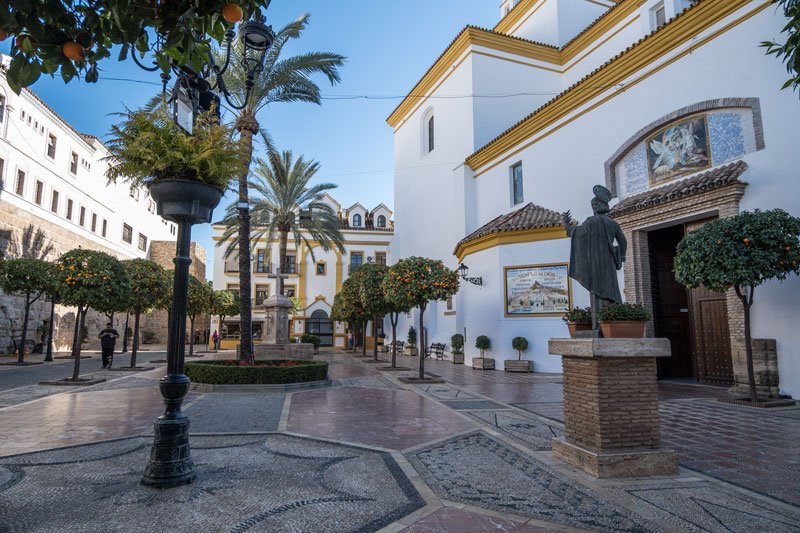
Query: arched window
pixel 430 133
pixel 381 221
pixel 356 220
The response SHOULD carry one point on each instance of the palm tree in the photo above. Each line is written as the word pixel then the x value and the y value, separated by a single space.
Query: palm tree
pixel 281 80
pixel 285 203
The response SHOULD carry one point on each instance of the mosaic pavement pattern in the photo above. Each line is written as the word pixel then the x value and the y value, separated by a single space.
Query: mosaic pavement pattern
pixel 245 483
pixel 755 450
pixel 534 433
pixel 478 470
pixel 703 506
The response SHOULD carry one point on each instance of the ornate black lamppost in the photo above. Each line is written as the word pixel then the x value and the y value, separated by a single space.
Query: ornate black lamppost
pixel 186 203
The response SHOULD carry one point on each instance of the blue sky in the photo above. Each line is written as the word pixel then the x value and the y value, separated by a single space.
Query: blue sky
pixel 389 45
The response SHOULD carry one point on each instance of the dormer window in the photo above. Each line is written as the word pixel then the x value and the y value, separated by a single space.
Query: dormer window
pixel 381 221
pixel 51 146
pixel 357 220
pixel 658 15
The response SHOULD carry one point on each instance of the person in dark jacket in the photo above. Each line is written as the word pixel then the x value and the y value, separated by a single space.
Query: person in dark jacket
pixel 108 338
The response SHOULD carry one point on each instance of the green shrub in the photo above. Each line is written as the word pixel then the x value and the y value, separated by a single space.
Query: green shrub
pixel 520 344
pixel 262 372
pixel 457 343
pixel 618 312
pixel 310 338
pixel 411 340
pixel 578 315
pixel 483 343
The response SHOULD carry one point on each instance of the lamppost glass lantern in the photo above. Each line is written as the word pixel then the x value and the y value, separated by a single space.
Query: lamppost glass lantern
pixel 463 270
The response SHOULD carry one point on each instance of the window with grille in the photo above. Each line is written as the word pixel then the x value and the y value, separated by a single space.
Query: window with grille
pixel 20 187
pixel 51 146
pixel 69 209
pixel 142 243
pixel 262 293
pixel 38 192
pixel 262 262
pixel 73 163
pixel 105 227
pixel 380 258
pixel 127 233
pixel 82 218
pixel 54 202
pixel 94 222
pixel 381 221
pixel 516 184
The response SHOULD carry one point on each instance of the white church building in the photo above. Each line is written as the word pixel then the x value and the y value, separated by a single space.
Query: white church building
pixel 513 125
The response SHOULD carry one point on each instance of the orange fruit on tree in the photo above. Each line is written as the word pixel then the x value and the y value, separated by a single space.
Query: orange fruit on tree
pixel 746 241
pixel 73 51
pixel 232 12
pixel 788 248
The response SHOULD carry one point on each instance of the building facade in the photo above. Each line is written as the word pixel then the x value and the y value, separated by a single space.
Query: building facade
pixel 53 183
pixel 314 276
pixel 671 104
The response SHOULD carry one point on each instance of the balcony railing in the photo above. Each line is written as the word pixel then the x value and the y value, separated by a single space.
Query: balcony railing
pixel 262 268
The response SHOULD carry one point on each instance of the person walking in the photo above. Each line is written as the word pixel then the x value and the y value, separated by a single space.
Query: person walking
pixel 108 338
pixel 349 340
pixel 215 338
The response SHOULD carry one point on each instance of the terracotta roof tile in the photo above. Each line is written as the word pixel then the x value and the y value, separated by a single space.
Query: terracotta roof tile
pixel 711 179
pixel 530 216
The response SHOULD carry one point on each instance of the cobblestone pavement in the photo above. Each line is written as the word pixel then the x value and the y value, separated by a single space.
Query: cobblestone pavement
pixel 470 454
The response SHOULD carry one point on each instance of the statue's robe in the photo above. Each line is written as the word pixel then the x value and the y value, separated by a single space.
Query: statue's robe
pixel 595 259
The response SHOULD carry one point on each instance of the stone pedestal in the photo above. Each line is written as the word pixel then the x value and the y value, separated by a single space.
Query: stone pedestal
pixel 276 324
pixel 765 367
pixel 611 422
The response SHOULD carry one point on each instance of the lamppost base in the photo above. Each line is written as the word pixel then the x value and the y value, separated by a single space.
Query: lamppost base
pixel 171 457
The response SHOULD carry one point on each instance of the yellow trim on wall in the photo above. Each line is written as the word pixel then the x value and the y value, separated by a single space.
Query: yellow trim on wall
pixel 508 237
pixel 518 15
pixel 676 33
pixel 338 271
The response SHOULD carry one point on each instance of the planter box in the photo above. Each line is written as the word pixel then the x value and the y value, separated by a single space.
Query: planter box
pixel 458 358
pixel 515 365
pixel 622 329
pixel 577 326
pixel 483 363
pixel 411 351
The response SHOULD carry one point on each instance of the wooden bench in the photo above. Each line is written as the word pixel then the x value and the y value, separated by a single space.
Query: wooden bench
pixel 436 349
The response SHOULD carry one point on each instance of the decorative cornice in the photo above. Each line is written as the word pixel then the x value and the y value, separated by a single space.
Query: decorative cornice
pixel 681 29
pixel 510 237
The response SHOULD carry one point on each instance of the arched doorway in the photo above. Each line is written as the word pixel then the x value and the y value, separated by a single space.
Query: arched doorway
pixel 319 324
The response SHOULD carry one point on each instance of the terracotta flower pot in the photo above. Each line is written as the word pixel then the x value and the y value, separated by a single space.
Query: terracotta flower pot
pixel 577 326
pixel 622 329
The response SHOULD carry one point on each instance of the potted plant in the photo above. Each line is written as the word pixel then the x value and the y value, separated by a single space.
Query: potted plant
pixel 520 344
pixel 578 319
pixel 411 341
pixel 457 344
pixel 483 363
pixel 185 174
pixel 624 321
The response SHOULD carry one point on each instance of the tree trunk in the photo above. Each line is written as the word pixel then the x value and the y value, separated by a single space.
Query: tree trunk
pixel 191 336
pixel 48 356
pixel 247 126
pixel 76 348
pixel 125 335
pixel 21 357
pixel 375 338
pixel 75 334
pixel 364 339
pixel 283 244
pixel 421 343
pixel 393 318
pixel 747 301
pixel 135 347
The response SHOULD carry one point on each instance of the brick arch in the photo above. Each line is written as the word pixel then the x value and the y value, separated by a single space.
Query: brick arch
pixel 754 104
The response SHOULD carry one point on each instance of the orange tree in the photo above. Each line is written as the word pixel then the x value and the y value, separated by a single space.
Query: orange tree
pixel 200 300
pixel 146 280
pixel 89 279
pixel 351 307
pixel 71 37
pixel 415 281
pixel 373 300
pixel 224 303
pixel 31 279
pixel 741 252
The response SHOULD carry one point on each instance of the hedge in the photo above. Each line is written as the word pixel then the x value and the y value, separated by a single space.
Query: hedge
pixel 233 373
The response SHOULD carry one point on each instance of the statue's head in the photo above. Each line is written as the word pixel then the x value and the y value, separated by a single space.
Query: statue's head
pixel 601 198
